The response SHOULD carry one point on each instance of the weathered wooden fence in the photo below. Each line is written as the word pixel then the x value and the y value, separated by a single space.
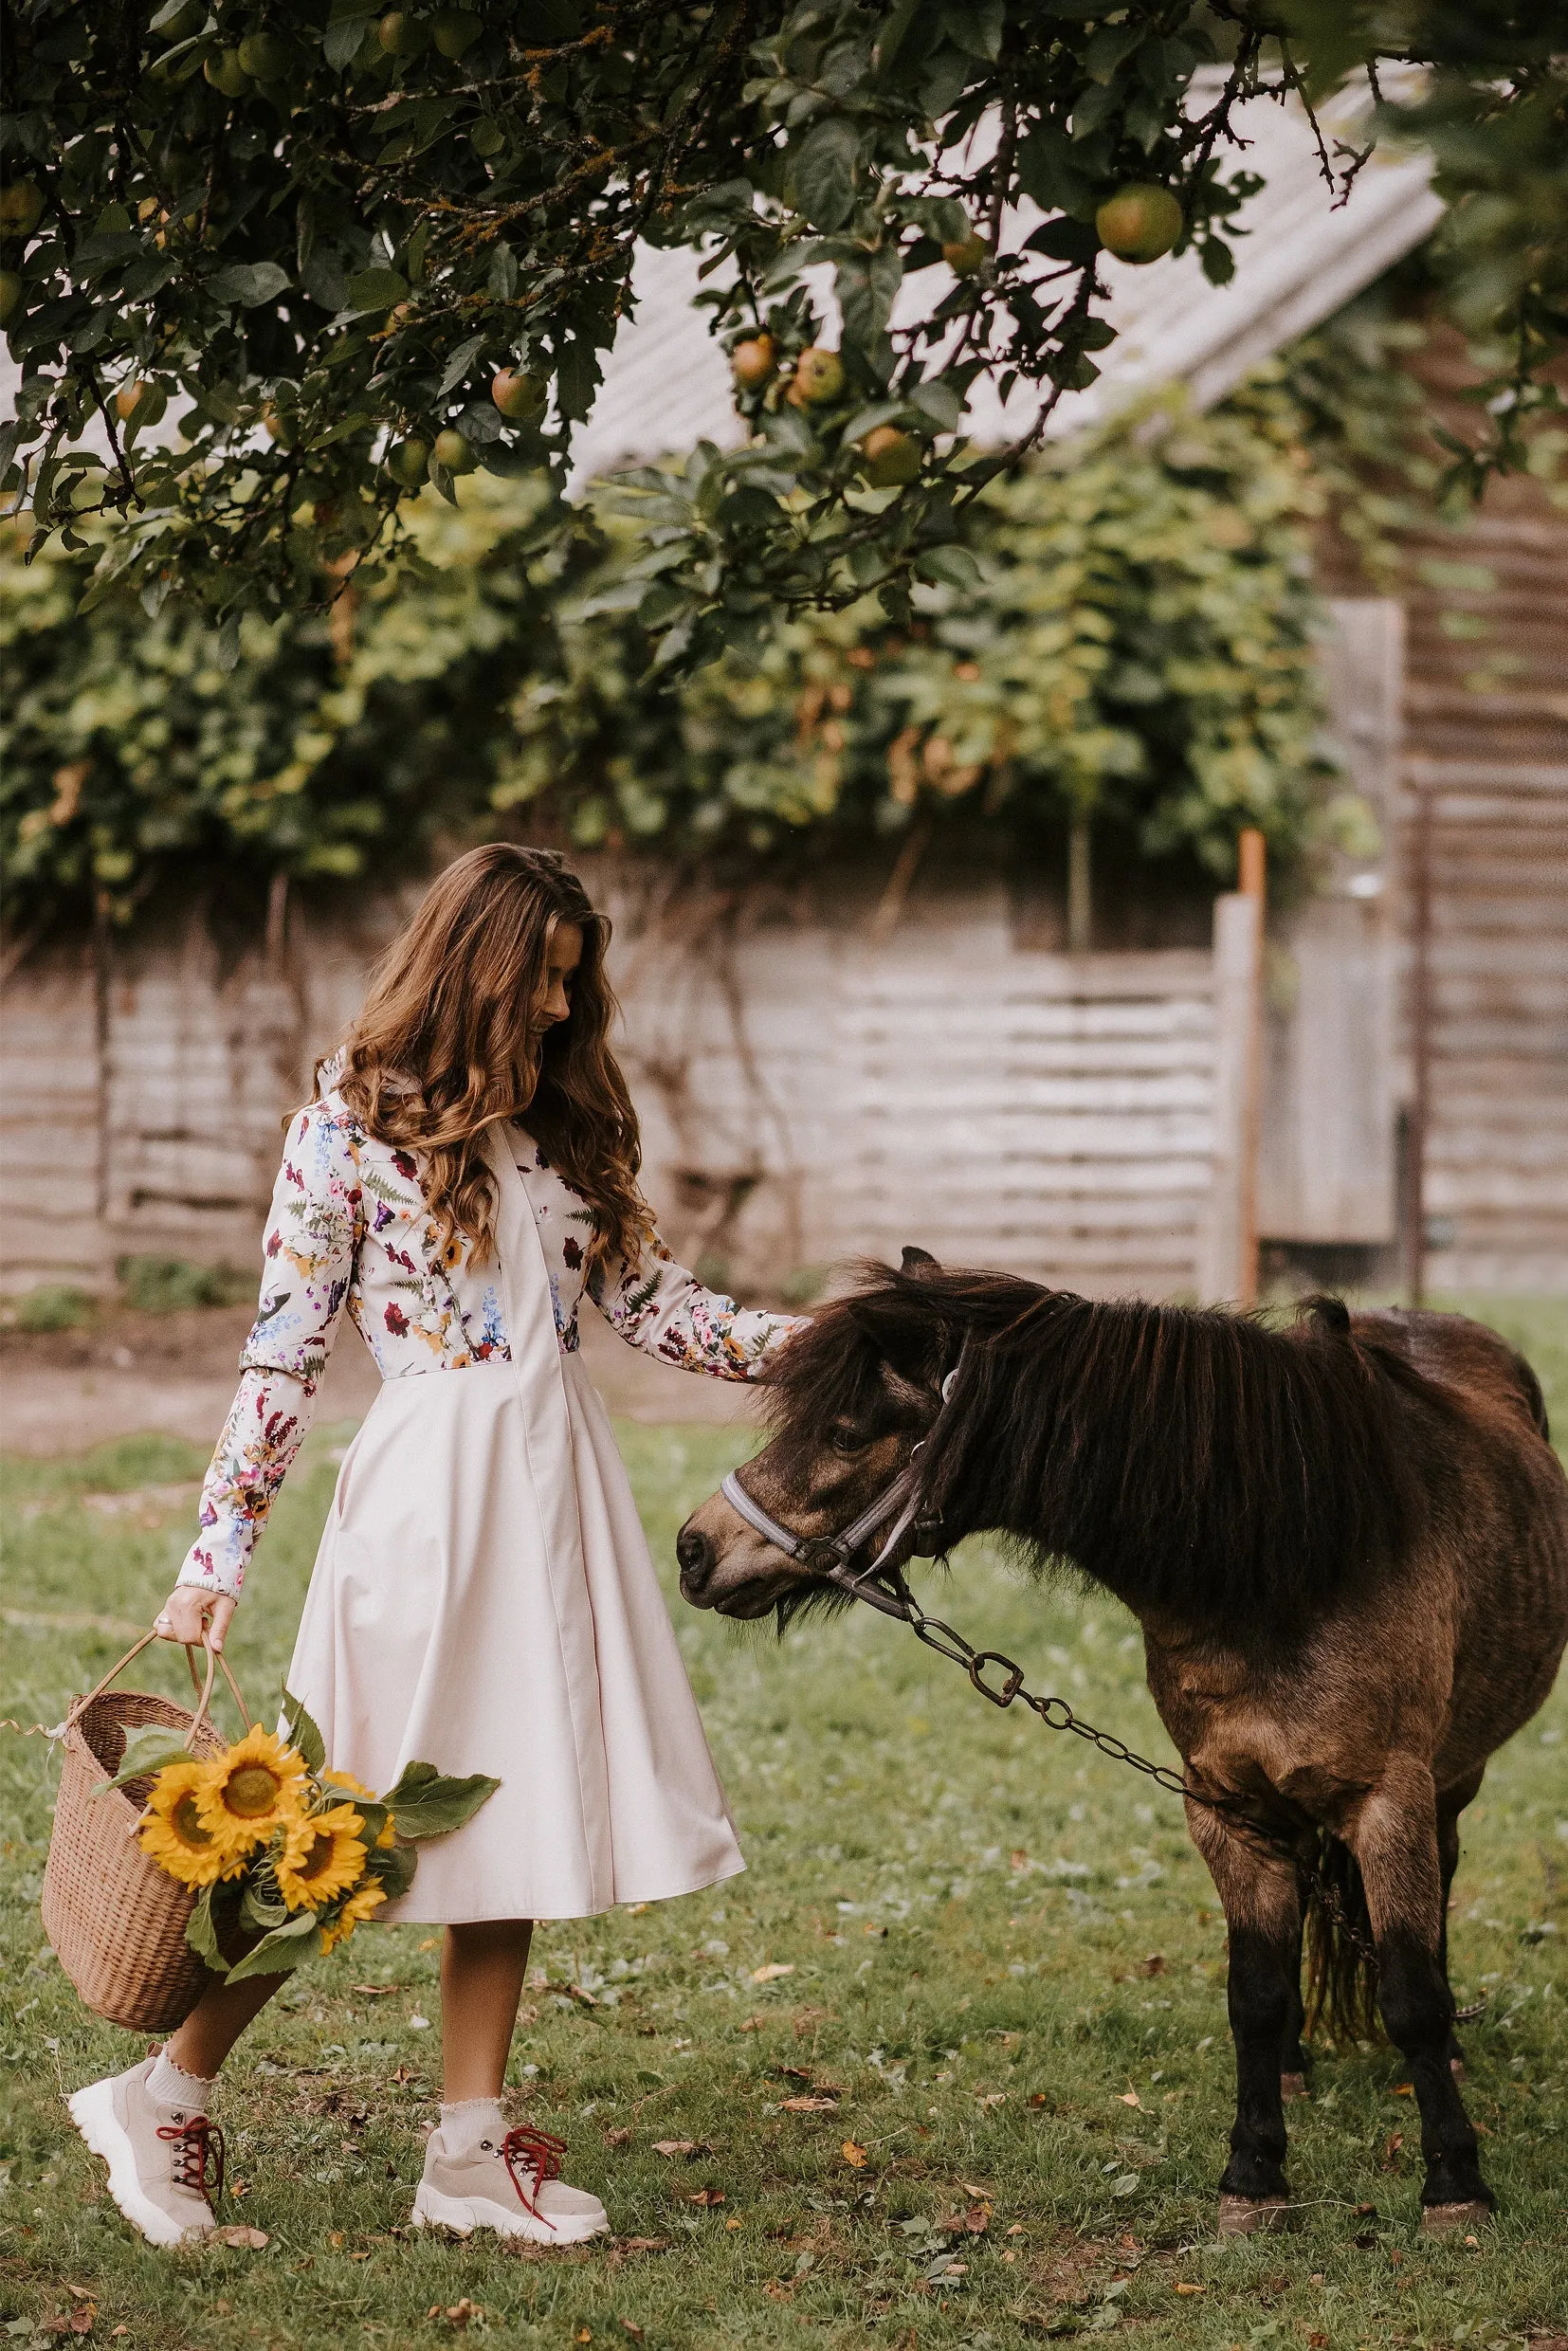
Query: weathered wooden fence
pixel 808 1094
pixel 812 1090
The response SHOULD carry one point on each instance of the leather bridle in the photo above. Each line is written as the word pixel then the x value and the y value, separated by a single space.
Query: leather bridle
pixel 880 1585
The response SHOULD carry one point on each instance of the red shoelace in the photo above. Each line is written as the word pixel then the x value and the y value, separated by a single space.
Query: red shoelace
pixel 532 2157
pixel 194 2144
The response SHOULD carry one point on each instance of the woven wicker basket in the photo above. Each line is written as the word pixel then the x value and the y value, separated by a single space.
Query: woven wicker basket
pixel 115 1920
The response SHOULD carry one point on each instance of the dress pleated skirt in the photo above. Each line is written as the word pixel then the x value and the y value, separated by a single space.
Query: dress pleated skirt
pixel 484 1600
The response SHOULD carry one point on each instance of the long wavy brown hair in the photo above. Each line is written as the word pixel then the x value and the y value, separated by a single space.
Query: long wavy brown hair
pixel 449 1041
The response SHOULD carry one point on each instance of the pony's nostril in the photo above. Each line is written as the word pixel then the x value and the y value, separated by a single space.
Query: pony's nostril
pixel 694 1554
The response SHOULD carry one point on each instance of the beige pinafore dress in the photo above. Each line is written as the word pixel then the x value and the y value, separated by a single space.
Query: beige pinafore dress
pixel 484 1600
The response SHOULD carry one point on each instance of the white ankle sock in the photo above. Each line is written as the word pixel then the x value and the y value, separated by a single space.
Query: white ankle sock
pixel 463 2125
pixel 169 2085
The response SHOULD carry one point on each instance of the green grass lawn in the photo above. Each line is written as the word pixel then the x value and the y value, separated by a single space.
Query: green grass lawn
pixel 993 1957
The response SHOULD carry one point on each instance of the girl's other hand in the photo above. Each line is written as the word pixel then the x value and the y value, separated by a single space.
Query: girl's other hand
pixel 188 1613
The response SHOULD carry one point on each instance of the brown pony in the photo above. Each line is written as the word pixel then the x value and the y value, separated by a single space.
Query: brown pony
pixel 1346 1542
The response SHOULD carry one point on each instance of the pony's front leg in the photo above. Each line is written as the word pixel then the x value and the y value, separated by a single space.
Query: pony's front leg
pixel 1395 1841
pixel 1262 1914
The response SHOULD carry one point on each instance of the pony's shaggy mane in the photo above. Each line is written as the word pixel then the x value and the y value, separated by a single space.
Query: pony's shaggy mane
pixel 1192 1460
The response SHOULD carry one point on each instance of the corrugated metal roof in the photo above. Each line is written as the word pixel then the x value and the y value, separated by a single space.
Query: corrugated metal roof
pixel 1298 257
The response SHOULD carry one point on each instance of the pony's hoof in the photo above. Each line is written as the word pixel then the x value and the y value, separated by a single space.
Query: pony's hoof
pixel 1444 2219
pixel 1292 2085
pixel 1254 2215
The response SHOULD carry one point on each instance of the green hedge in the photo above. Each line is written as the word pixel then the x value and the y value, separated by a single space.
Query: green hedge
pixel 1137 644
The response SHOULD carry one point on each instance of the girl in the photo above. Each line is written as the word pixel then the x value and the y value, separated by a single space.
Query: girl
pixel 483 1596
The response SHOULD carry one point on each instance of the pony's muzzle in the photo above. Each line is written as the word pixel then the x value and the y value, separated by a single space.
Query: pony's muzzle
pixel 725 1565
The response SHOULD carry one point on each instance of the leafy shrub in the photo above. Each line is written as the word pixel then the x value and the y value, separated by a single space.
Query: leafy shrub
pixel 1135 645
pixel 165 1284
pixel 53 1307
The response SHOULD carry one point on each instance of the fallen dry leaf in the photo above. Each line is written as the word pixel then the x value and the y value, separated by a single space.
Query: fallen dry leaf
pixel 1404 2089
pixel 770 1972
pixel 643 2245
pixel 1153 1965
pixel 807 2105
pixel 375 1991
pixel 682 2146
pixel 1182 2287
pixel 708 2195
pixel 991 2098
pixel 617 2138
pixel 753 2024
pixel 854 2154
pixel 237 2234
pixel 1129 2097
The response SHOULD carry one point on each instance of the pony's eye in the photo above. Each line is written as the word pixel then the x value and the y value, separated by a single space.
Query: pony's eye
pixel 845 1439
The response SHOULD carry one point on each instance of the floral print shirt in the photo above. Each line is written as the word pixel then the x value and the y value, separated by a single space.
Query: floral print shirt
pixel 349 1228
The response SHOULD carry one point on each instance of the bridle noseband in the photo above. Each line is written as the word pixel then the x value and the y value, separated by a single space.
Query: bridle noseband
pixel 828 1555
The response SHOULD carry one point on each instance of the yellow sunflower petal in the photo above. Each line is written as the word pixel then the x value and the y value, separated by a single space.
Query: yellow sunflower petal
pixel 322 1856
pixel 354 1787
pixel 172 1831
pixel 353 1913
pixel 258 1787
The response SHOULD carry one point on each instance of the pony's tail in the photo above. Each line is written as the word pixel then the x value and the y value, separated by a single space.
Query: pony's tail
pixel 1342 1978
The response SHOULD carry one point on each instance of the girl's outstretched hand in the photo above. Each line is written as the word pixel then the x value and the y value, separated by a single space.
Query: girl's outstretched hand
pixel 189 1613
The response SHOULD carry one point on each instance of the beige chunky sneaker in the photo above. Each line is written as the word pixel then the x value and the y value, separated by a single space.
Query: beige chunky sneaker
pixel 157 2156
pixel 511 2184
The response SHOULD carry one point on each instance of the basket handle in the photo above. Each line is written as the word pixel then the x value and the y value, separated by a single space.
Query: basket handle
pixel 214 1659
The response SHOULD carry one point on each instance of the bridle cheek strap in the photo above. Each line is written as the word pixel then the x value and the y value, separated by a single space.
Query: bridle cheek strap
pixel 830 1555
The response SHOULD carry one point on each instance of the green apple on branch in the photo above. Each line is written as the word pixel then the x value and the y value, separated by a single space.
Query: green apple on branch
pixel 409 232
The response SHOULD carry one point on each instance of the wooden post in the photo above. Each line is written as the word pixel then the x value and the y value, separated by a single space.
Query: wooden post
pixel 1420 1047
pixel 1229 1264
pixel 1080 888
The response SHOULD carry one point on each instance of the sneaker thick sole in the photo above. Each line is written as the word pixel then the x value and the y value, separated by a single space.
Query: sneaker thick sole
pixel 462 2214
pixel 93 2112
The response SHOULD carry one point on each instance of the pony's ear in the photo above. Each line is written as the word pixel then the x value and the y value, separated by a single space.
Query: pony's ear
pixel 1331 1314
pixel 918 1262
pixel 909 1341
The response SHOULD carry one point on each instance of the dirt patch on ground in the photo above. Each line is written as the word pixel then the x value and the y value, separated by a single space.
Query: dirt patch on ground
pixel 61 1391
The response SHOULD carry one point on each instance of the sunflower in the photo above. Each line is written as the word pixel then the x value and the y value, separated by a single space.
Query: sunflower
pixel 172 1831
pixel 353 1913
pixel 357 1787
pixel 249 1793
pixel 320 1857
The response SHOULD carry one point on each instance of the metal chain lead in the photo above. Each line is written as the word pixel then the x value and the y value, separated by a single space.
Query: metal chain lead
pixel 1057 1715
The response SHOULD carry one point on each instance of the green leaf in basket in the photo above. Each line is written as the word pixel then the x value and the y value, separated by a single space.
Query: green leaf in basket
pixel 286 1947
pixel 256 1911
pixel 201 1934
pixel 373 1815
pixel 148 1748
pixel 427 1803
pixel 394 1865
pixel 301 1732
